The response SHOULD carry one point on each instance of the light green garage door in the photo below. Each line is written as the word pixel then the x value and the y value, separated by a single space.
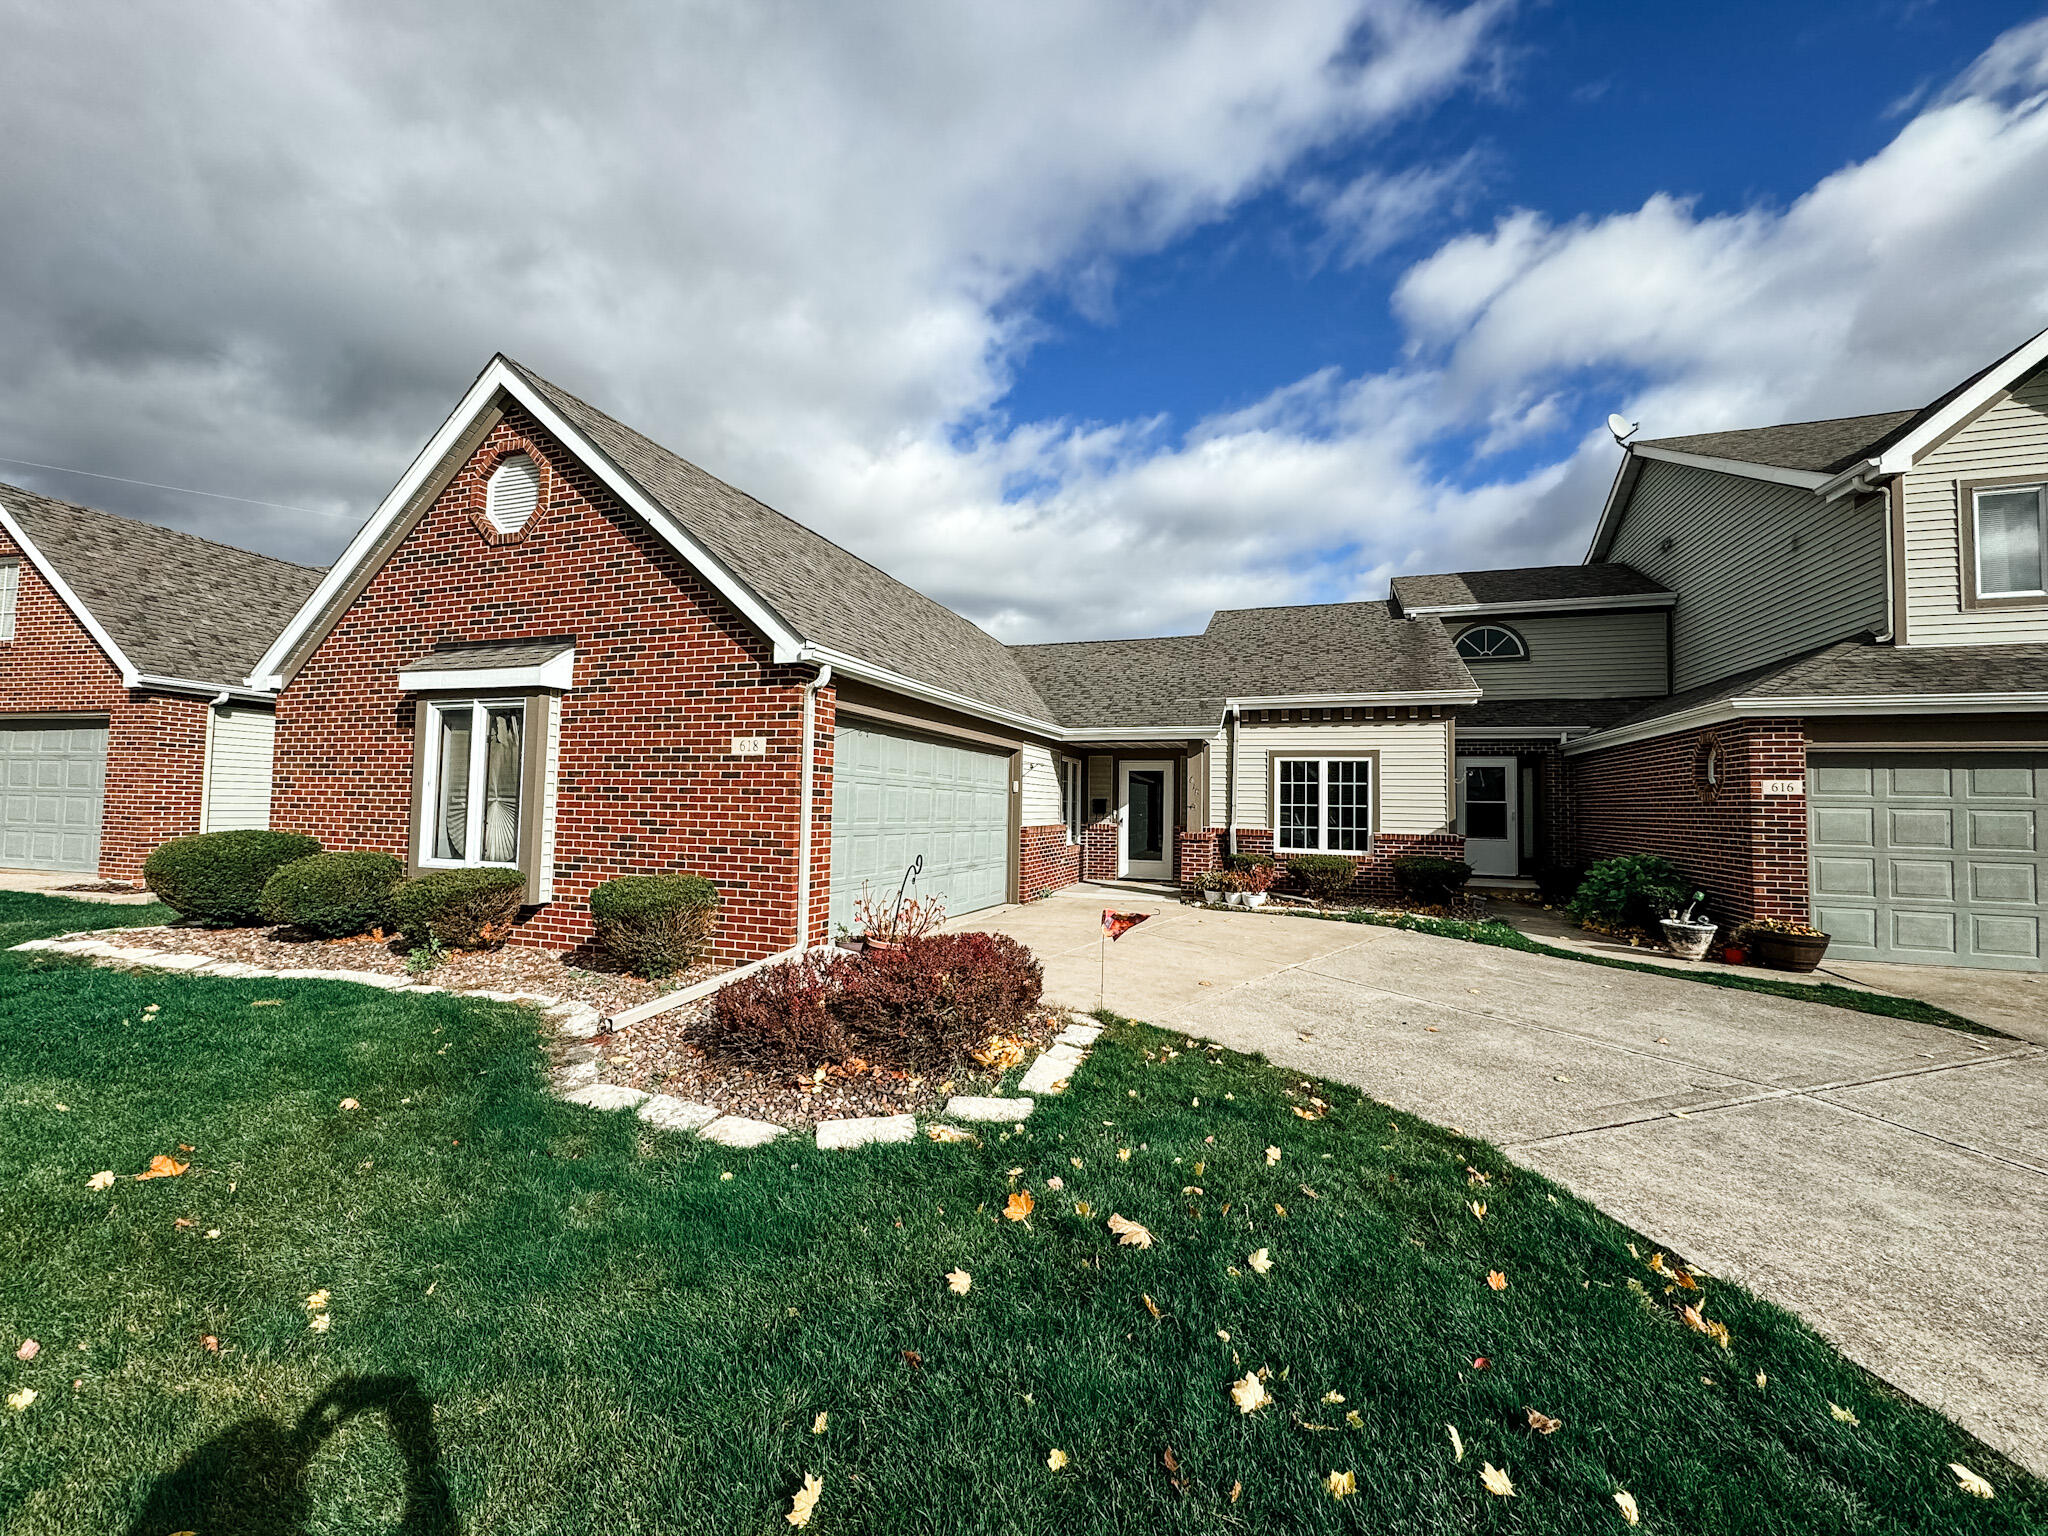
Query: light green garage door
pixel 897 797
pixel 52 780
pixel 1929 856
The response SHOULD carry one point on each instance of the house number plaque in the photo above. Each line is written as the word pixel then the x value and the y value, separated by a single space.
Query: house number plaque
pixel 1776 787
pixel 750 746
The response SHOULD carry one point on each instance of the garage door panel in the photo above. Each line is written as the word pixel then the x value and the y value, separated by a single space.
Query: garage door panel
pixel 54 777
pixel 920 798
pixel 1932 857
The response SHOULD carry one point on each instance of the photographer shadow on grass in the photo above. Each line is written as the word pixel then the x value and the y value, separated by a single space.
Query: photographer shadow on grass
pixel 251 1479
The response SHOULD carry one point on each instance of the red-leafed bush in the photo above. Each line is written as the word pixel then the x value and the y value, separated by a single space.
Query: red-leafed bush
pixel 923 1005
pixel 780 1016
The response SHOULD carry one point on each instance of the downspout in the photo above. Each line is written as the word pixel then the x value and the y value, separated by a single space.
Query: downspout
pixel 1230 780
pixel 803 811
pixel 1894 521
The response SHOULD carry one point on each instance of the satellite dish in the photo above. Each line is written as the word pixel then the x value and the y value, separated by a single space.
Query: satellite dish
pixel 1621 427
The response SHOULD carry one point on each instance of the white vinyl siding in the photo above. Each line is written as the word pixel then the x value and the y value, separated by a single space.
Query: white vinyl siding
pixel 1762 571
pixel 1578 656
pixel 10 593
pixel 2010 439
pixel 1413 763
pixel 1041 790
pixel 240 741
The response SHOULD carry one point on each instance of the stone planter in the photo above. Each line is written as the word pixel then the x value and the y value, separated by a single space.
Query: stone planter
pixel 1247 899
pixel 1789 951
pixel 1688 941
pixel 1212 898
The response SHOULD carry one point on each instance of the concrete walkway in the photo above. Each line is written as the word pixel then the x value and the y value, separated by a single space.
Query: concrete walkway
pixel 1887 1181
pixel 52 882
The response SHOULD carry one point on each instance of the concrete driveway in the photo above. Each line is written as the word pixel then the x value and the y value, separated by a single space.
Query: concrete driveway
pixel 1887 1181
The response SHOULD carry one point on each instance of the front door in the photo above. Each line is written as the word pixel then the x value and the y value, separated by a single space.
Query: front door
pixel 1488 814
pixel 1146 796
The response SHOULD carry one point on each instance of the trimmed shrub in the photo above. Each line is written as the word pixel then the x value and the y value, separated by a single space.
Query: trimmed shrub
pixel 1248 861
pixel 1432 882
pixel 218 877
pixel 655 925
pixel 1633 890
pixel 929 1003
pixel 781 1016
pixel 459 908
pixel 332 895
pixel 1324 876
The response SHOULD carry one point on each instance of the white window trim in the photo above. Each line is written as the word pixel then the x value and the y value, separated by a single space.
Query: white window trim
pixel 1520 653
pixel 479 745
pixel 1072 781
pixel 1977 495
pixel 10 596
pixel 1322 823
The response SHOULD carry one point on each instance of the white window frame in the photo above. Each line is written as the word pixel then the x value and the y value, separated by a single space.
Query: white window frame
pixel 1322 822
pixel 1072 787
pixel 1977 495
pixel 1520 653
pixel 10 597
pixel 479 745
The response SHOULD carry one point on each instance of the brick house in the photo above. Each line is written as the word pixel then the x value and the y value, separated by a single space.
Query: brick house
pixel 125 717
pixel 558 647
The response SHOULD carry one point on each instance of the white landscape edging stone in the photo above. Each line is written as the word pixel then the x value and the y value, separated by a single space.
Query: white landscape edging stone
pixel 1050 1072
pixel 865 1130
pixel 967 1107
pixel 739 1131
pixel 608 1096
pixel 665 1112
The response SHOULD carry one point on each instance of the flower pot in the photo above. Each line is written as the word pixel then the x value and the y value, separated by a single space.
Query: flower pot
pixel 1790 951
pixel 1212 898
pixel 1688 941
pixel 1247 899
pixel 1735 954
pixel 852 943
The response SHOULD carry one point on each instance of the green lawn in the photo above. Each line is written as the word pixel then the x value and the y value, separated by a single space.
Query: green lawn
pixel 546 1319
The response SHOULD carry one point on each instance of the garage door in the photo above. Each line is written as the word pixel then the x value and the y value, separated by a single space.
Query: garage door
pixel 1930 857
pixel 896 798
pixel 52 777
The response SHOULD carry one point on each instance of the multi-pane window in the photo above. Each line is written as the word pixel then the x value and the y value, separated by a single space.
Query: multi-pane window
pixel 10 589
pixel 2012 541
pixel 1322 804
pixel 1070 797
pixel 476 767
pixel 1491 642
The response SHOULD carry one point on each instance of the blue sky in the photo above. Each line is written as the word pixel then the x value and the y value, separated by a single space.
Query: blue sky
pixel 1085 318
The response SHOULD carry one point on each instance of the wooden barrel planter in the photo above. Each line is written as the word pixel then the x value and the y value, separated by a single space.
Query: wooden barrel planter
pixel 1789 951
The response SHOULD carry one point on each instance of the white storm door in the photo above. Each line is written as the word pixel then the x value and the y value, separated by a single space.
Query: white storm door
pixel 1145 804
pixel 1489 815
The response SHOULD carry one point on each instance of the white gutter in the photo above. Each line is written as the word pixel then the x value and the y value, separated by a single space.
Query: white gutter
pixel 1335 700
pixel 804 800
pixel 156 684
pixel 1789 704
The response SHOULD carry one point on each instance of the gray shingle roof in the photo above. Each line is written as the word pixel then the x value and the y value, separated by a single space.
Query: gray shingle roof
pixel 1529 583
pixel 827 595
pixel 477 658
pixel 1863 668
pixel 176 604
pixel 1322 648
pixel 1594 714
pixel 1819 447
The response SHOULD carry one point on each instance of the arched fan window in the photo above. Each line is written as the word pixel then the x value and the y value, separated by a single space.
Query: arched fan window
pixel 512 494
pixel 1492 642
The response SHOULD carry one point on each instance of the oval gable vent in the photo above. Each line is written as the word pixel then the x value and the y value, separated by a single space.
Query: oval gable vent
pixel 512 494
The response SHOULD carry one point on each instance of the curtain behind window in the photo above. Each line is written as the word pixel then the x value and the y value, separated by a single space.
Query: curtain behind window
pixel 501 785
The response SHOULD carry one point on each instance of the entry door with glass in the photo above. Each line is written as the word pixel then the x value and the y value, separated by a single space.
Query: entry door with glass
pixel 1146 795
pixel 1488 814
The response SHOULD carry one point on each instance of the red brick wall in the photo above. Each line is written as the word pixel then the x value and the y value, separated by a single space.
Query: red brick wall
pixel 1746 852
pixel 156 742
pixel 666 675
pixel 1099 850
pixel 1374 877
pixel 1046 861
pixel 1556 834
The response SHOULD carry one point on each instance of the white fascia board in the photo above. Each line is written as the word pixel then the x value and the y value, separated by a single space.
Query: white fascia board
pixel 930 693
pixel 1355 700
pixel 499 376
pixel 70 599
pixel 1139 733
pixel 156 683
pixel 1625 474
pixel 1805 479
pixel 1518 732
pixel 1545 605
pixel 1900 457
pixel 1791 704
pixel 557 673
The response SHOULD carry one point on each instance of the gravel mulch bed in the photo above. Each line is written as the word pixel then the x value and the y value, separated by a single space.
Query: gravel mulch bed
pixel 580 975
pixel 660 1055
pixel 107 887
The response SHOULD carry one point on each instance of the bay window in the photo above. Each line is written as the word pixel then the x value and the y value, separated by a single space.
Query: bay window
pixel 472 801
pixel 1322 804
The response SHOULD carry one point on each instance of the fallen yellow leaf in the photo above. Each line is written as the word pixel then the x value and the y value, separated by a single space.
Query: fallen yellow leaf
pixel 1019 1206
pixel 19 1401
pixel 1969 1481
pixel 1478 1209
pixel 1151 1306
pixel 1272 1156
pixel 1083 1209
pixel 1353 1421
pixel 1496 1481
pixel 958 1280
pixel 1261 1261
pixel 1842 1414
pixel 350 1104
pixel 1761 1381
pixel 948 1133
pixel 1333 1397
pixel 818 1424
pixel 104 1179
pixel 1626 1502
pixel 320 1322
pixel 1340 1483
pixel 1496 1280
pixel 1236 1489
pixel 1250 1393
pixel 318 1300
pixel 1056 1458
pixel 29 1350
pixel 1543 1423
pixel 804 1500
pixel 1128 1232
pixel 1123 1154
pixel 1457 1443
pixel 162 1167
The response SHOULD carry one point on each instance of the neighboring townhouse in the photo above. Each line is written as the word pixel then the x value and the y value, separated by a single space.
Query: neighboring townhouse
pixel 125 715
pixel 558 647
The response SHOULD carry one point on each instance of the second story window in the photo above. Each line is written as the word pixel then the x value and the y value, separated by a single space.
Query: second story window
pixel 1492 642
pixel 2011 541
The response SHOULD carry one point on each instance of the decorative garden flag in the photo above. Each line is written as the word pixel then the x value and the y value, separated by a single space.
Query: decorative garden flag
pixel 1117 924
